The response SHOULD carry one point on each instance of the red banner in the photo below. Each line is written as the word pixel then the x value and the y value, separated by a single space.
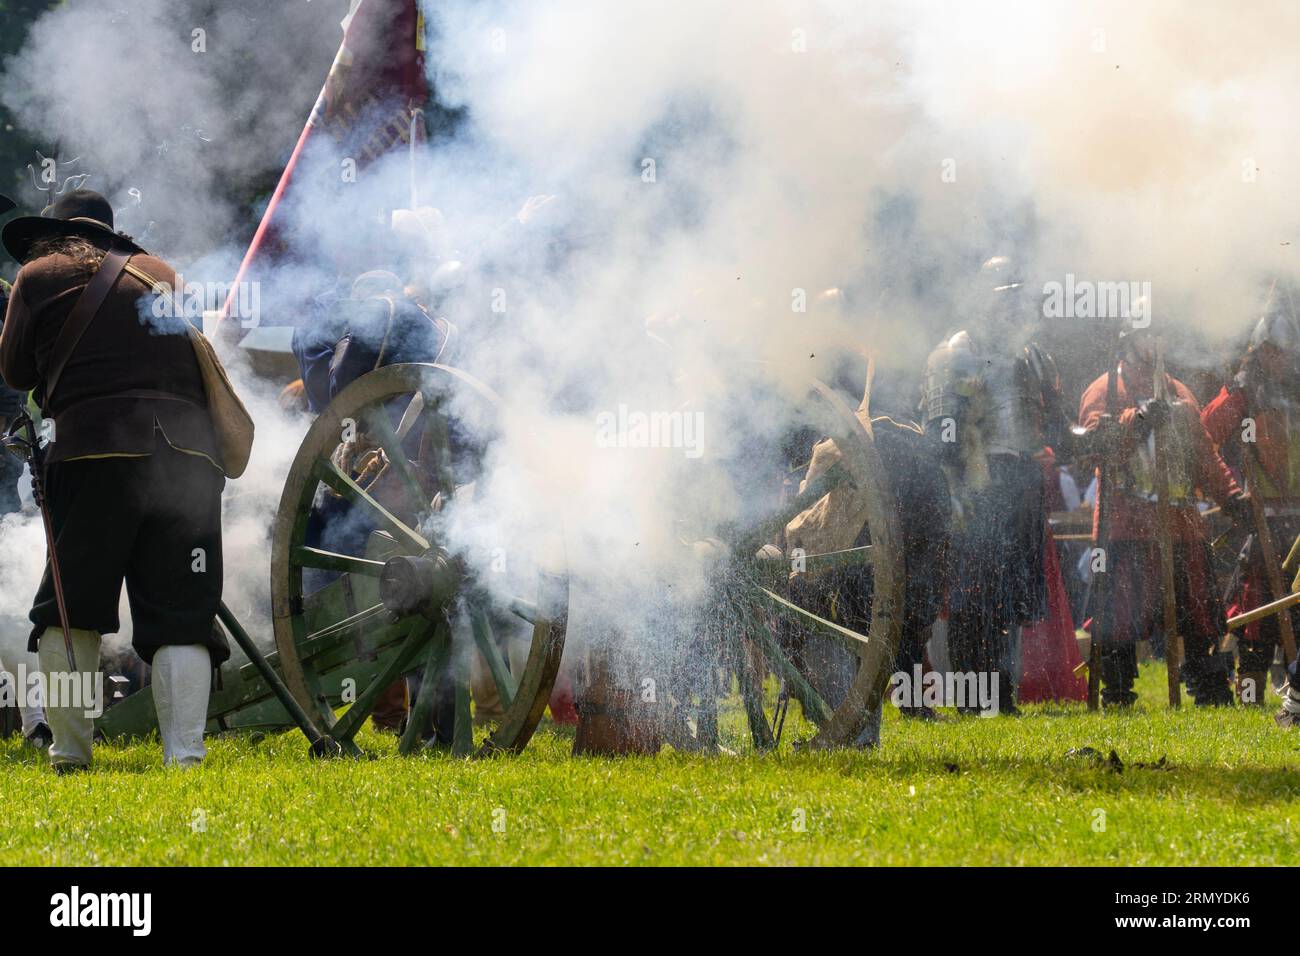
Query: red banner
pixel 372 102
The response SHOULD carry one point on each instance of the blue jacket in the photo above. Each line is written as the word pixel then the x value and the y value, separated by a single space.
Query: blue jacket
pixel 355 336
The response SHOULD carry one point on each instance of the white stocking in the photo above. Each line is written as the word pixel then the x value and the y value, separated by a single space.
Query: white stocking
pixel 182 680
pixel 67 707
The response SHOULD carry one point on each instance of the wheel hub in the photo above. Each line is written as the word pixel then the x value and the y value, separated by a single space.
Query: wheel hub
pixel 421 584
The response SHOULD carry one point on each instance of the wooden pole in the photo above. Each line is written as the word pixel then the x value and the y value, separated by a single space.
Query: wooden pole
pixel 1268 551
pixel 1165 516
pixel 1103 617
pixel 1263 611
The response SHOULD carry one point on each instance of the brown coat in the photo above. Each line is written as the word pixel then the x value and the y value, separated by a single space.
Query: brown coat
pixel 119 353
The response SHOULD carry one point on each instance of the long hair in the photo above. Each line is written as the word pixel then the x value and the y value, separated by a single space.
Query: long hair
pixel 85 254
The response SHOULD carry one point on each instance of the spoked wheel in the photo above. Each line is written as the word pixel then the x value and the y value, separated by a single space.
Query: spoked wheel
pixel 367 583
pixel 770 629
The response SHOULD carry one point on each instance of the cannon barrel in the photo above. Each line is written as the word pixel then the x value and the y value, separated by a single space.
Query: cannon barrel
pixel 417 584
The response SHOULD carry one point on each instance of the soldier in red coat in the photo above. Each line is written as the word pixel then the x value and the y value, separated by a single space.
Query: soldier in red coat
pixel 1258 414
pixel 1132 554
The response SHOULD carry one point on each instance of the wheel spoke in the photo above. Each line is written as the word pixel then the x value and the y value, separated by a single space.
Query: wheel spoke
pixel 380 429
pixel 816 709
pixel 438 444
pixel 347 726
pixel 304 557
pixel 412 415
pixel 750 681
pixel 435 663
pixel 462 734
pixel 487 645
pixel 798 616
pixel 329 473
pixel 527 610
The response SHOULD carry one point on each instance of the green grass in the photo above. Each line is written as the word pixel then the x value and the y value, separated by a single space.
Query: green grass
pixel 965 791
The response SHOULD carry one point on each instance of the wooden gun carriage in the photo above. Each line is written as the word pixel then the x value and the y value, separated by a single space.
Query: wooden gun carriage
pixel 406 602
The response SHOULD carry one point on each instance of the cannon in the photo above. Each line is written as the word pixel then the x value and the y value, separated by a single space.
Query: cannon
pixel 384 611
pixel 753 654
pixel 347 623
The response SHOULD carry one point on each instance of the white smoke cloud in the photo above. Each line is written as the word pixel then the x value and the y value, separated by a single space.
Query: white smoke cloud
pixel 1152 139
pixel 149 104
pixel 713 162
pixel 20 574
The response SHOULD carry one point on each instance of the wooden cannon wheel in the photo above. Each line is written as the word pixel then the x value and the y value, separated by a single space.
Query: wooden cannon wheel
pixel 759 602
pixel 409 601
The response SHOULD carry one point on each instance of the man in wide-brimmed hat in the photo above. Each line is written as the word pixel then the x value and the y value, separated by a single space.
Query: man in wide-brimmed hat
pixel 133 476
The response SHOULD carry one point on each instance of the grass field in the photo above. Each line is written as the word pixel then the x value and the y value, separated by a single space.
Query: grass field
pixel 965 791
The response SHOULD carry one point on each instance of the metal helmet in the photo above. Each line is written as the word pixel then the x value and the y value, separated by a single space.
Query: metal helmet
pixel 951 374
pixel 958 362
pixel 962 355
pixel 1001 274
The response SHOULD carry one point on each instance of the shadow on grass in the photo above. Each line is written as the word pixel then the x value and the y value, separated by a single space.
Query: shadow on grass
pixel 1250 785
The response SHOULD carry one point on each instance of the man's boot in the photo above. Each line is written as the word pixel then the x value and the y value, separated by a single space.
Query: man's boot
pixel 182 681
pixel 1118 671
pixel 66 710
pixel 31 706
pixel 40 736
pixel 1207 681
pixel 1289 714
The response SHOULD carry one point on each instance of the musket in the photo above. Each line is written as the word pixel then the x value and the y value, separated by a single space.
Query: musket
pixel 1165 533
pixel 22 441
pixel 1105 604
pixel 1239 569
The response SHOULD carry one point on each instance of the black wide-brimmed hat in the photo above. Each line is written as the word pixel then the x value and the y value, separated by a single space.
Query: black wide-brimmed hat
pixel 82 212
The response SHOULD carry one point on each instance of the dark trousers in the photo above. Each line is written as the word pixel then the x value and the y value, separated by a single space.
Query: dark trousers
pixel 1135 609
pixel 153 522
pixel 996 569
pixel 977 644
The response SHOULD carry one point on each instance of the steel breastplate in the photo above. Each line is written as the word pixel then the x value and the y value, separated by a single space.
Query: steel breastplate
pixel 1015 421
